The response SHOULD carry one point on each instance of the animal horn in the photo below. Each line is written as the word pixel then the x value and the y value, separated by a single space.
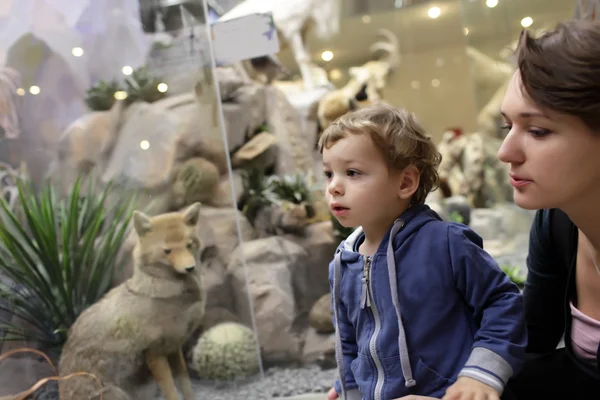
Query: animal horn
pixel 389 46
pixel 586 9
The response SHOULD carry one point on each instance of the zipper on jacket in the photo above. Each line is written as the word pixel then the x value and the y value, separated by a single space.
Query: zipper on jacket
pixel 365 298
pixel 367 293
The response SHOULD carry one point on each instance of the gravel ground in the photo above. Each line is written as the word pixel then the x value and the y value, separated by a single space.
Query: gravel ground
pixel 278 382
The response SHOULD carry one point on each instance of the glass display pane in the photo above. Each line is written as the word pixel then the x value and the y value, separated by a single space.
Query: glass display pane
pixel 106 108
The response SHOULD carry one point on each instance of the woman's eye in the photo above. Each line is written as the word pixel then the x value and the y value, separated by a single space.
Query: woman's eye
pixel 506 127
pixel 539 132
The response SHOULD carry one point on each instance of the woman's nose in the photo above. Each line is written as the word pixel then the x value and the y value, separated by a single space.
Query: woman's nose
pixel 510 151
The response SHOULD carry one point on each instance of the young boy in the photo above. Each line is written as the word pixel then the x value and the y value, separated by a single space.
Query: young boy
pixel 419 307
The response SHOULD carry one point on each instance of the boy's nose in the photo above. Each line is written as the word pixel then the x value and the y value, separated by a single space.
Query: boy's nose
pixel 335 187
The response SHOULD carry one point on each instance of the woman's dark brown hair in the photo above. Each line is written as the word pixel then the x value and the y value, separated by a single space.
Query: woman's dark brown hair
pixel 560 70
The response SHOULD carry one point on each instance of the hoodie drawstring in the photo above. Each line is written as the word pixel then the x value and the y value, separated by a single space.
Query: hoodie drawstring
pixel 391 264
pixel 339 354
pixel 403 348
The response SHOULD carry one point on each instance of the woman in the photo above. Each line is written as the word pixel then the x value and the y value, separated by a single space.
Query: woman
pixel 552 114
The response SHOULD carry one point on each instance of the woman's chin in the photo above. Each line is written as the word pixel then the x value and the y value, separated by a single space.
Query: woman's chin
pixel 528 202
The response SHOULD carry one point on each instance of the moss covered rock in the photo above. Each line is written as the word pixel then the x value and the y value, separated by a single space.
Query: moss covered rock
pixel 226 351
pixel 197 179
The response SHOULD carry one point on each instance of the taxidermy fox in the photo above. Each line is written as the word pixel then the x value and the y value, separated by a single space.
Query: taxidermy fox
pixel 135 332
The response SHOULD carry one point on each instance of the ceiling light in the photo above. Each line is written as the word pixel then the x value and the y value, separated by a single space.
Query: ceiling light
pixel 120 95
pixel 127 70
pixel 399 3
pixel 491 3
pixel 34 90
pixel 434 12
pixel 21 92
pixel 162 87
pixel 466 31
pixel 366 19
pixel 77 51
pixel 144 145
pixel 327 55
pixel 335 74
pixel 526 22
pixel 435 82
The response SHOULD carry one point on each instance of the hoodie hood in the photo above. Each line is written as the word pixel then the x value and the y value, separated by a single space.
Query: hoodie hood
pixel 412 220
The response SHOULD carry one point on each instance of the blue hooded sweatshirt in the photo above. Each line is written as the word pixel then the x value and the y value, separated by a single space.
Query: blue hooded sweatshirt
pixel 429 306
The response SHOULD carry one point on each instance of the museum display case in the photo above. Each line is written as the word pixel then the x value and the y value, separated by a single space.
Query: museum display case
pixel 119 117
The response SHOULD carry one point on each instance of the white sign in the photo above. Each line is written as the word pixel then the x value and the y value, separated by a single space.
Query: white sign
pixel 243 38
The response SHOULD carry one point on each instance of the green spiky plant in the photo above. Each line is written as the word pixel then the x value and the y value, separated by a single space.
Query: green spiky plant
pixel 142 86
pixel 101 96
pixel 139 86
pixel 292 188
pixel 255 192
pixel 260 191
pixel 60 258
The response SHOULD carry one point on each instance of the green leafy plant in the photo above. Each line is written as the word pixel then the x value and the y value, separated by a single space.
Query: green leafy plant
pixel 260 190
pixel 292 188
pixel 514 273
pixel 139 86
pixel 455 216
pixel 101 96
pixel 60 259
pixel 142 86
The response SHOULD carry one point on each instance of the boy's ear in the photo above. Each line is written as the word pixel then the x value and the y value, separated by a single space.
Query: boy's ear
pixel 409 182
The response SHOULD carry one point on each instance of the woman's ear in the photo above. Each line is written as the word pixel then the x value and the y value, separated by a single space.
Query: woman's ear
pixel 409 182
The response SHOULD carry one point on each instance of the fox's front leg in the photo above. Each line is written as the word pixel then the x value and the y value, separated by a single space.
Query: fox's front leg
pixel 161 371
pixel 181 374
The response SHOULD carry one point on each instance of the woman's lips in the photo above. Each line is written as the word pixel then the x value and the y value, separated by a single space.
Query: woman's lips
pixel 518 181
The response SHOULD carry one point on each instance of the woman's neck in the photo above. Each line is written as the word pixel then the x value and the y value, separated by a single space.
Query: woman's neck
pixel 587 219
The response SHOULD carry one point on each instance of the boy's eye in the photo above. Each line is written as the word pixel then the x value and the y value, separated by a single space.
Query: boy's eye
pixel 327 174
pixel 167 251
pixel 352 172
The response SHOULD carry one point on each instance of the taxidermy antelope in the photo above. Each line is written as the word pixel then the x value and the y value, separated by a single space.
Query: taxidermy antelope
pixel 366 81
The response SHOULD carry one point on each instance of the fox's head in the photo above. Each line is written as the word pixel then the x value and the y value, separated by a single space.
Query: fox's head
pixel 168 243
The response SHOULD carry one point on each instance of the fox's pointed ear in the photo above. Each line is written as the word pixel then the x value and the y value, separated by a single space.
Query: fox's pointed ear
pixel 192 214
pixel 142 223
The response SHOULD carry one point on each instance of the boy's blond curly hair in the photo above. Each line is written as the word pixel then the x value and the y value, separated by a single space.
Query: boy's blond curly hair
pixel 398 135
